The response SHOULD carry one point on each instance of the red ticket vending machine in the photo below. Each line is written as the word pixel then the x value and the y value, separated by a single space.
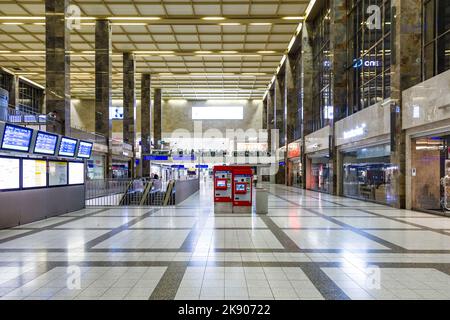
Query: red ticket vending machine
pixel 242 189
pixel 223 201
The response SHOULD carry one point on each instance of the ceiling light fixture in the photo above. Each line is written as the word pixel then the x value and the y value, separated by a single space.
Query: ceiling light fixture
pixel 266 51
pixel 134 18
pixel 261 23
pixel 213 18
pixel 22 18
pixel 129 24
pixel 13 23
pixel 230 24
pixel 292 18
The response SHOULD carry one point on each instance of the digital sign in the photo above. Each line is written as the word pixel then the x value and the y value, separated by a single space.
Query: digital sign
pixel 45 143
pixel 67 147
pixel 85 150
pixel 16 138
pixel 76 172
pixel 34 173
pixel 10 173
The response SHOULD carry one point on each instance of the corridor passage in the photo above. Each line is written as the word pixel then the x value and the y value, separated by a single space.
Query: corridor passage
pixel 309 246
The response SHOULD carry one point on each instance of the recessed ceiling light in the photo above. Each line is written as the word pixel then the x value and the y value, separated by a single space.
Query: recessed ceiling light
pixel 203 52
pixel 213 18
pixel 229 52
pixel 230 24
pixel 293 18
pixel 153 52
pixel 13 23
pixel 134 18
pixel 266 52
pixel 129 24
pixel 261 23
pixel 22 18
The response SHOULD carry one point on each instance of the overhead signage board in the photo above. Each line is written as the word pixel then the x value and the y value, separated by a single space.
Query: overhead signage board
pixel 67 147
pixel 16 138
pixel 45 143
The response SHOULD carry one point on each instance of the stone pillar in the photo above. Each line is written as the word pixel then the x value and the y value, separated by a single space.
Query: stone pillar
pixel 290 107
pixel 280 115
pixel 264 114
pixel 270 119
pixel 146 123
pixel 129 106
pixel 157 124
pixel 103 86
pixel 57 66
pixel 405 72
pixel 14 93
pixel 338 56
pixel 306 95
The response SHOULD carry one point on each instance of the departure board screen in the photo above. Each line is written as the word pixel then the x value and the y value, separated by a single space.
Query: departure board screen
pixel 85 149
pixel 16 138
pixel 45 143
pixel 67 147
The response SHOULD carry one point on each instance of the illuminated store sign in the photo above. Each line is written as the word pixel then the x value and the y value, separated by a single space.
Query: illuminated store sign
pixel 358 63
pixel 358 131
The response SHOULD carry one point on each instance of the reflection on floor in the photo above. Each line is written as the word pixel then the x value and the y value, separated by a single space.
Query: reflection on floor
pixel 309 246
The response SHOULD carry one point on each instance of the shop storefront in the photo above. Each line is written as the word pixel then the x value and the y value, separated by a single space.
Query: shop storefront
pixel 367 174
pixel 427 126
pixel 294 164
pixel 364 155
pixel 319 171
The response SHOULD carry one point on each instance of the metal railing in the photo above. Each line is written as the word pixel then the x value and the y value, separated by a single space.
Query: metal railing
pixel 129 192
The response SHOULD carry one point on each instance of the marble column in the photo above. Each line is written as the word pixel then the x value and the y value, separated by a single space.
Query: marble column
pixel 405 72
pixel 270 119
pixel 57 66
pixel 290 107
pixel 264 114
pixel 157 123
pixel 146 123
pixel 129 106
pixel 280 116
pixel 337 57
pixel 103 86
pixel 306 94
pixel 14 93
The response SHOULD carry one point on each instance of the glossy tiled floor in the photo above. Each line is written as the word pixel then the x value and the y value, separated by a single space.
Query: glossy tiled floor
pixel 309 246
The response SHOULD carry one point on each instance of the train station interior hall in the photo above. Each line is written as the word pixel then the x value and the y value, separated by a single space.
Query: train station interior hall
pixel 224 150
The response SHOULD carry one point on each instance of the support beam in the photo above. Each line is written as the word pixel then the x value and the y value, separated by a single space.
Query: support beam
pixel 306 79
pixel 103 86
pixel 158 118
pixel 129 106
pixel 146 123
pixel 291 109
pixel 338 48
pixel 57 66
pixel 406 72
pixel 280 116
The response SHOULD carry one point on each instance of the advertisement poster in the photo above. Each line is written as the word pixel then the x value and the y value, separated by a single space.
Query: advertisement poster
pixel 57 173
pixel 34 173
pixel 10 177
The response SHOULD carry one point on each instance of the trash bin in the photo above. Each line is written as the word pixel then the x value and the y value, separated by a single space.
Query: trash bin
pixel 262 202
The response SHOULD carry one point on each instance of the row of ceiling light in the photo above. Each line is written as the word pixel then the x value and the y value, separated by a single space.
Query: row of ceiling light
pixel 19 20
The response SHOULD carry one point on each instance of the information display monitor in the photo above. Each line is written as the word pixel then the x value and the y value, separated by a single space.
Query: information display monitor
pixel 76 172
pixel 57 173
pixel 85 150
pixel 34 173
pixel 45 143
pixel 16 138
pixel 9 173
pixel 67 147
